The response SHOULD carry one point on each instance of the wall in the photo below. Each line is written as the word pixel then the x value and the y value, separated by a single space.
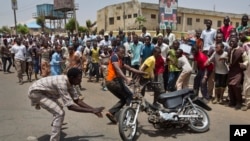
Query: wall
pixel 146 9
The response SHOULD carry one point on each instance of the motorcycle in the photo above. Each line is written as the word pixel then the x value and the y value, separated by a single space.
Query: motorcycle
pixel 180 108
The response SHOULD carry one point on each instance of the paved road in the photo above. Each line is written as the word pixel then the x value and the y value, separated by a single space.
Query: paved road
pixel 20 122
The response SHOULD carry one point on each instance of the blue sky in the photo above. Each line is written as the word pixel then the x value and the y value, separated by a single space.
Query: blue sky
pixel 88 8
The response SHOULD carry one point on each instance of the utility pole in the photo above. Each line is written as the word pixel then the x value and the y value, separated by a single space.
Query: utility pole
pixel 74 10
pixel 14 7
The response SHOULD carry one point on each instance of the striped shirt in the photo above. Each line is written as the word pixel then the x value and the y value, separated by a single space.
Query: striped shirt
pixel 55 87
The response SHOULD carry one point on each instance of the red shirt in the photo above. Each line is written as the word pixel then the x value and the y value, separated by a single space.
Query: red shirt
pixel 159 65
pixel 226 31
pixel 201 59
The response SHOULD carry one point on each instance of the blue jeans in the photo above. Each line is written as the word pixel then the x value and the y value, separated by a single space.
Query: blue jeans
pixel 36 65
pixel 172 78
pixel 4 60
pixel 199 84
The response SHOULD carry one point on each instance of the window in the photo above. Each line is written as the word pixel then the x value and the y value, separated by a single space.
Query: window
pixel 118 18
pixel 237 24
pixel 179 20
pixel 135 15
pixel 111 21
pixel 125 16
pixel 118 7
pixel 129 16
pixel 153 16
pixel 189 21
pixel 218 23
pixel 205 21
pixel 197 20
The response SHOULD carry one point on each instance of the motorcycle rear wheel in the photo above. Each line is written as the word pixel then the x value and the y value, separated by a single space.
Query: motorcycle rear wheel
pixel 127 130
pixel 196 124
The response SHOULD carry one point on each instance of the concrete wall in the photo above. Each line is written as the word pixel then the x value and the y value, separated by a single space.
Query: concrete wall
pixel 148 9
pixel 200 24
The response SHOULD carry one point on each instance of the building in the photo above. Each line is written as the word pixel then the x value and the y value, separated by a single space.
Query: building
pixel 123 16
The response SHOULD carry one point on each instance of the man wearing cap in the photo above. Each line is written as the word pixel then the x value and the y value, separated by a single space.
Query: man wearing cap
pixel 105 41
pixel 46 91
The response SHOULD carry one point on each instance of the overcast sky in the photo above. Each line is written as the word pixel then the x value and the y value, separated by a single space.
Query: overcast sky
pixel 88 8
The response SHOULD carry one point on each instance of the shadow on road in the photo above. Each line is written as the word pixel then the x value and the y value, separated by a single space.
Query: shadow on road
pixel 64 138
pixel 172 132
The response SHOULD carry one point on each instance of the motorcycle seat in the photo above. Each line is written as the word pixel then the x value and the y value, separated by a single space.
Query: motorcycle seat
pixel 175 93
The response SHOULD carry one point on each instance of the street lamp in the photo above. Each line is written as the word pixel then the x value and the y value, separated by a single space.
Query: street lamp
pixel 14 8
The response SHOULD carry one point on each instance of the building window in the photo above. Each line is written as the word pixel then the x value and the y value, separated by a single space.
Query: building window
pixel 153 16
pixel 189 21
pixel 135 15
pixel 125 16
pixel 129 16
pixel 197 20
pixel 205 21
pixel 237 24
pixel 179 20
pixel 218 23
pixel 111 21
pixel 118 18
pixel 118 7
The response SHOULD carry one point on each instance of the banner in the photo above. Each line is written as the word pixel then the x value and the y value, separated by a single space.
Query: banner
pixel 63 4
pixel 168 14
pixel 14 4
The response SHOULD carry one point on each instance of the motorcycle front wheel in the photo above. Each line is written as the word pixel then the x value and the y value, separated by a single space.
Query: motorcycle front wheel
pixel 127 128
pixel 200 124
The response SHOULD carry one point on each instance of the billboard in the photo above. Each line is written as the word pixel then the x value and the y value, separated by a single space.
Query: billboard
pixel 14 4
pixel 63 4
pixel 168 13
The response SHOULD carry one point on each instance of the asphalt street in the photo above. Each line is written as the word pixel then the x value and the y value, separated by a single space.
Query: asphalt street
pixel 21 122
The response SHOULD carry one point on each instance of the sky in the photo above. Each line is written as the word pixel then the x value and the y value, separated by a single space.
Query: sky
pixel 88 8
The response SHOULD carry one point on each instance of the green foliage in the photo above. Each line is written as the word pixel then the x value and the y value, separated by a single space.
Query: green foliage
pixel 5 30
pixel 23 29
pixel 83 29
pixel 71 25
pixel 140 19
pixel 41 21
pixel 90 25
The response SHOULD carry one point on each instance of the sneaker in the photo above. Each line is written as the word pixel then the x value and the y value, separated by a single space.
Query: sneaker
pixel 244 108
pixel 105 88
pixel 215 101
pixel 111 118
pixel 21 83
pixel 37 107
pixel 238 106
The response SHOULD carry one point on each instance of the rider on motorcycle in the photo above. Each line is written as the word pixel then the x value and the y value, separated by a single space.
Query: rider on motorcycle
pixel 115 82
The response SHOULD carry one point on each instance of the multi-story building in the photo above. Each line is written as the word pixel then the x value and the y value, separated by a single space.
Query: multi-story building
pixel 123 16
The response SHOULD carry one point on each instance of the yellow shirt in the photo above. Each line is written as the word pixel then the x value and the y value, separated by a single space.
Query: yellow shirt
pixel 95 55
pixel 150 63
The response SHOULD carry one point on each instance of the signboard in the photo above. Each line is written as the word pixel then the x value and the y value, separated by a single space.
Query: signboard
pixel 168 13
pixel 63 4
pixel 14 4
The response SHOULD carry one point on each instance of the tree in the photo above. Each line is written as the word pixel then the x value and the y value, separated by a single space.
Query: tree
pixel 83 29
pixel 23 29
pixel 5 30
pixel 40 20
pixel 140 19
pixel 71 25
pixel 90 25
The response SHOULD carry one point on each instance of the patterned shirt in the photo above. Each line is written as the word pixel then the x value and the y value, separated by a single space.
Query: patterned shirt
pixel 55 87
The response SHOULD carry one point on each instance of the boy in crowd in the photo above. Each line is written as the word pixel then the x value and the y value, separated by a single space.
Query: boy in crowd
pixel 184 65
pixel 221 70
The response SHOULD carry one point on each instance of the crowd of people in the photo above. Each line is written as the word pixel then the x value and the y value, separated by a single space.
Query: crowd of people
pixel 219 57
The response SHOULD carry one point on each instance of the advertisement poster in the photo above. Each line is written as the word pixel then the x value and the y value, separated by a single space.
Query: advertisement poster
pixel 168 13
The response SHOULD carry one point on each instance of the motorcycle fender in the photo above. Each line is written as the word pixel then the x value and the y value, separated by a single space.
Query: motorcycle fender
pixel 202 104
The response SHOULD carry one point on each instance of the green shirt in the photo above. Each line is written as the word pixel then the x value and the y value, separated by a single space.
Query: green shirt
pixel 241 28
pixel 174 60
